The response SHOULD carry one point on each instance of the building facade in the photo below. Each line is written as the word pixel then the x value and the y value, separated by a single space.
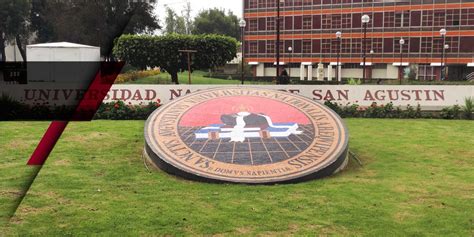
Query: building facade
pixel 308 38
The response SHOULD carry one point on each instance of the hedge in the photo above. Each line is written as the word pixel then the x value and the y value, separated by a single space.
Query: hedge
pixel 144 51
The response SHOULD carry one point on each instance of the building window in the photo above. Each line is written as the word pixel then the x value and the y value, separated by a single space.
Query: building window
pixel 326 21
pixel 453 43
pixel 334 45
pixel 270 46
pixel 396 43
pixel 307 22
pixel 346 22
pixel 389 19
pixel 437 45
pixel 282 47
pixel 346 46
pixel 307 47
pixel 467 17
pixel 336 21
pixel 326 46
pixel 253 49
pixel 426 44
pixel 262 3
pixel 377 45
pixel 253 25
pixel 427 18
pixel 271 3
pixel 402 19
pixel 356 46
pixel 439 18
pixel 307 2
pixel 452 17
pixel 253 3
pixel 271 23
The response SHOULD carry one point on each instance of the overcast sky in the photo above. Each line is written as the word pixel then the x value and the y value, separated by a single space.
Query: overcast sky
pixel 197 5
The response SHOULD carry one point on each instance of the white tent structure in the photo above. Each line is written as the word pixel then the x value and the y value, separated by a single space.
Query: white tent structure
pixel 61 62
pixel 62 52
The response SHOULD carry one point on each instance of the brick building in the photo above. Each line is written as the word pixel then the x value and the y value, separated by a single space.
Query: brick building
pixel 308 27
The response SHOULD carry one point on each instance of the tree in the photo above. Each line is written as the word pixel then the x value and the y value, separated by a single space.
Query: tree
pixel 216 21
pixel 170 21
pixel 174 23
pixel 187 18
pixel 14 24
pixel 180 25
pixel 92 22
pixel 163 51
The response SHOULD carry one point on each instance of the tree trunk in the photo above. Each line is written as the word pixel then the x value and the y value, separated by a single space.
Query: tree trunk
pixel 174 77
pixel 20 48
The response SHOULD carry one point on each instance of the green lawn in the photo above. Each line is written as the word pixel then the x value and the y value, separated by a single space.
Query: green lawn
pixel 417 180
pixel 197 77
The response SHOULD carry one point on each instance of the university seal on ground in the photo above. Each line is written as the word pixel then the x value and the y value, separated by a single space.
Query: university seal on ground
pixel 246 135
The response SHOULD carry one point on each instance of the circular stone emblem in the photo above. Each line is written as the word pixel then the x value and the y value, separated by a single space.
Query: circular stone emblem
pixel 246 135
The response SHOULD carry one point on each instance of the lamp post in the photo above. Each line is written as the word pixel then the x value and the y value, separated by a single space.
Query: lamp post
pixel 290 49
pixel 442 32
pixel 365 21
pixel 242 24
pixel 445 74
pixel 279 2
pixel 338 37
pixel 402 42
pixel 372 62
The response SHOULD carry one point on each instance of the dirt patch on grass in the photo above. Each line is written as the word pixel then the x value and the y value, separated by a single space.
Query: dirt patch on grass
pixel 10 193
pixel 62 162
pixel 87 137
pixel 403 216
pixel 18 144
pixel 244 230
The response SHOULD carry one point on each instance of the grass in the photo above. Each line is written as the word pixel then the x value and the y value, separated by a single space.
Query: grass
pixel 417 180
pixel 197 78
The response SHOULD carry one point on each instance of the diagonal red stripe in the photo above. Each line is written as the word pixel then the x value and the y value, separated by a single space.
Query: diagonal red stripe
pixel 85 111
pixel 47 143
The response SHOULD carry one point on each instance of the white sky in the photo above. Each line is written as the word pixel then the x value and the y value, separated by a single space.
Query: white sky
pixel 197 5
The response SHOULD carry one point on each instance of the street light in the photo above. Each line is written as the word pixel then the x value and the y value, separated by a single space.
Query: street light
pixel 242 25
pixel 443 32
pixel 402 42
pixel 445 74
pixel 279 2
pixel 338 37
pixel 365 21
pixel 371 61
pixel 290 49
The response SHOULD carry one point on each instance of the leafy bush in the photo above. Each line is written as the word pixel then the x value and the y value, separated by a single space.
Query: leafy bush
pixel 468 107
pixel 354 82
pixel 9 108
pixel 453 112
pixel 121 111
pixel 382 111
